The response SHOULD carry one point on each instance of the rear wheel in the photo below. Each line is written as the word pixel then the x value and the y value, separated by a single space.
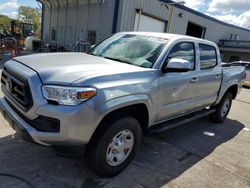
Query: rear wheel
pixel 222 109
pixel 116 147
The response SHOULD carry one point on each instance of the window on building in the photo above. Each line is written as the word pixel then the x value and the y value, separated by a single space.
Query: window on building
pixel 53 36
pixel 222 56
pixel 92 37
pixel 248 67
pixel 195 30
pixel 208 56
pixel 184 51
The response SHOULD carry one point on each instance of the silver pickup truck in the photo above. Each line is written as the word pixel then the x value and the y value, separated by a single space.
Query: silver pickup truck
pixel 124 86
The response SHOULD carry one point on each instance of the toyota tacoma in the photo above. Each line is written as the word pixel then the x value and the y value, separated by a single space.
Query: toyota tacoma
pixel 107 98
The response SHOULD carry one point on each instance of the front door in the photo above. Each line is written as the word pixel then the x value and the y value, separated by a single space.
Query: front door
pixel 177 89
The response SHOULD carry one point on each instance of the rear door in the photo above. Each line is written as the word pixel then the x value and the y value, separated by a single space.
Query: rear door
pixel 209 77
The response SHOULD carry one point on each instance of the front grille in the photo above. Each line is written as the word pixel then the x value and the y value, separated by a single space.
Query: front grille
pixel 16 88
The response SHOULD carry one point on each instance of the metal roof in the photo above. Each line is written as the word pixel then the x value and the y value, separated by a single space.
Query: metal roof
pixel 65 3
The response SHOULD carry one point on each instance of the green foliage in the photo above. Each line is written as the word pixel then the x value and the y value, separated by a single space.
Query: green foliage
pixel 30 15
pixel 5 20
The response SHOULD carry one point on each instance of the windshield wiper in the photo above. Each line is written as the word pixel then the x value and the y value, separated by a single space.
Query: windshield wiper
pixel 117 59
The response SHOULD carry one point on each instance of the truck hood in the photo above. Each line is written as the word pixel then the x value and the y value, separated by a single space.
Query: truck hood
pixel 66 68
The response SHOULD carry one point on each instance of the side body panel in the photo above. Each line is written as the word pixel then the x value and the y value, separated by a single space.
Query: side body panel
pixel 231 76
pixel 176 90
pixel 208 86
pixel 209 80
pixel 124 90
pixel 177 94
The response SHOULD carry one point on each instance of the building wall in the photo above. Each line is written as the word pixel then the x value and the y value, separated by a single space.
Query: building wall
pixel 127 12
pixel 227 55
pixel 69 22
pixel 99 16
pixel 214 31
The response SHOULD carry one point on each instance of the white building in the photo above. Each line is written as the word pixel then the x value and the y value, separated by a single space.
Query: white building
pixel 67 21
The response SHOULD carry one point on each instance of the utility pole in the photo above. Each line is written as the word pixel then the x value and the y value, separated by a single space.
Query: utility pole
pixel 139 18
pixel 170 18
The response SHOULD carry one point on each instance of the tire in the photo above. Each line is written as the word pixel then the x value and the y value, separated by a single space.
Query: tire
pixel 107 157
pixel 222 109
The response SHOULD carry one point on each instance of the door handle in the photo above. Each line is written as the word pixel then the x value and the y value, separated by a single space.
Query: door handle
pixel 194 80
pixel 217 76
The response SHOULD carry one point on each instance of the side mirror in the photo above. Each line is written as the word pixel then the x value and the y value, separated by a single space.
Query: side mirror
pixel 177 65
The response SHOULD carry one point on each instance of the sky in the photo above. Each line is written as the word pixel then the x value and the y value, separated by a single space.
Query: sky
pixel 235 12
pixel 10 7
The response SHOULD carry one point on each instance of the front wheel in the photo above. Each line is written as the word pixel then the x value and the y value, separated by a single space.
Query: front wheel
pixel 222 109
pixel 116 147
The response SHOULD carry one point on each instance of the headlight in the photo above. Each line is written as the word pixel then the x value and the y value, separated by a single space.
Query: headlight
pixel 67 95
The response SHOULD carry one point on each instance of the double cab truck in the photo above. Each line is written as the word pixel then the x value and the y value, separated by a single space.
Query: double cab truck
pixel 106 99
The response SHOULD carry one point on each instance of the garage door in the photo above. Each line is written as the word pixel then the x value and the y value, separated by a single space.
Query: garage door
pixel 149 24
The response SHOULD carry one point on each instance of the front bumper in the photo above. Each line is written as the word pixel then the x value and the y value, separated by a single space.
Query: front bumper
pixel 77 124
pixel 18 124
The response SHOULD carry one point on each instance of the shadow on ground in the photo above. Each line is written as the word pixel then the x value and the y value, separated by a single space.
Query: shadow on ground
pixel 162 158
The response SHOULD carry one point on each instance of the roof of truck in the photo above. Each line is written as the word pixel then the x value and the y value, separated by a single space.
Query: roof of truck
pixel 169 36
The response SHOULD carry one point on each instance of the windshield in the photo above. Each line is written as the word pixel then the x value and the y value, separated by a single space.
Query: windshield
pixel 133 49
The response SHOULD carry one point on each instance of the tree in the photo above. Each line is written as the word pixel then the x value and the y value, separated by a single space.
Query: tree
pixel 4 19
pixel 5 22
pixel 30 15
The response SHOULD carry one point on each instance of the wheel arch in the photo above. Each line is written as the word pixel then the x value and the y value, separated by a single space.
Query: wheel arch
pixel 139 111
pixel 233 90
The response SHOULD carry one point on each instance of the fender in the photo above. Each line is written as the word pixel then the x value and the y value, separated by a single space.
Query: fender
pixel 224 89
pixel 125 101
pixel 121 102
pixel 230 78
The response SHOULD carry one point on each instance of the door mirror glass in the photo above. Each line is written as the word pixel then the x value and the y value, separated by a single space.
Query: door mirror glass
pixel 181 58
pixel 178 65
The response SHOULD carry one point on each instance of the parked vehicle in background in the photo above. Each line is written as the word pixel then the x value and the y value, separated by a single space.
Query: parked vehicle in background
pixel 126 85
pixel 246 64
pixel 247 81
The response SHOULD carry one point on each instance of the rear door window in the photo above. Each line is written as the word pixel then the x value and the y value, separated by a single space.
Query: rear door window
pixel 208 56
